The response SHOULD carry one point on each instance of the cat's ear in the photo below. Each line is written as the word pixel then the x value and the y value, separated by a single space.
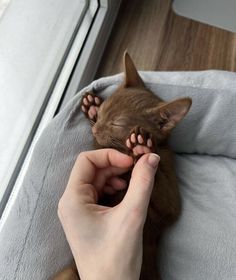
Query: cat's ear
pixel 169 114
pixel 132 78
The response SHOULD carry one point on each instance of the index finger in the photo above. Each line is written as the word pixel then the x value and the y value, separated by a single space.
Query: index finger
pixel 87 163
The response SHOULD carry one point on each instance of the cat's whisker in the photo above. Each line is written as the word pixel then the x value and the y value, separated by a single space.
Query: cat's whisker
pixel 92 122
pixel 117 143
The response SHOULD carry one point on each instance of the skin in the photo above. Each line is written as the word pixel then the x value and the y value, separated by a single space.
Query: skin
pixel 106 242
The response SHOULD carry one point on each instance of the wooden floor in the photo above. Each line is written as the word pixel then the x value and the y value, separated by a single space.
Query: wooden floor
pixel 158 39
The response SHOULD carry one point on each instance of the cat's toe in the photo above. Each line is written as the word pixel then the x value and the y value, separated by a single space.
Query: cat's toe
pixel 90 98
pixel 140 139
pixel 128 143
pixel 83 108
pixel 85 101
pixel 149 143
pixel 92 112
pixel 133 138
pixel 140 150
pixel 97 100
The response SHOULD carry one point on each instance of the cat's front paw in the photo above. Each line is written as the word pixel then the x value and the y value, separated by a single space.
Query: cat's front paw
pixel 90 105
pixel 140 142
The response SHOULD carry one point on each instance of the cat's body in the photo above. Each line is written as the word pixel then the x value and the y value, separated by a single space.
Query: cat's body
pixel 165 206
pixel 133 120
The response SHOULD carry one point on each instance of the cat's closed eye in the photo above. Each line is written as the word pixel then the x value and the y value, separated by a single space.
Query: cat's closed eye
pixel 117 124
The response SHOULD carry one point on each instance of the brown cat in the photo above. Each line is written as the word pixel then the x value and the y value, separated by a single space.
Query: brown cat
pixel 135 121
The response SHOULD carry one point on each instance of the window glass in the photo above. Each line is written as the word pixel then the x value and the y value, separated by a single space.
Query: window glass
pixel 34 39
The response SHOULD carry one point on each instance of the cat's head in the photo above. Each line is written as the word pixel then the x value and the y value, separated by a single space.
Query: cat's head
pixel 132 104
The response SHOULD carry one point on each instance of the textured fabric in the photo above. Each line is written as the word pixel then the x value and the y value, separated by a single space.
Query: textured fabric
pixel 201 245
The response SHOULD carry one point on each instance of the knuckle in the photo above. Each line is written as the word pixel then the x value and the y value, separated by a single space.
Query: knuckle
pixel 81 155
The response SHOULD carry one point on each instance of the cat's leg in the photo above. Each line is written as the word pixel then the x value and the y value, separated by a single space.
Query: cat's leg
pixel 90 104
pixel 139 142
pixel 149 270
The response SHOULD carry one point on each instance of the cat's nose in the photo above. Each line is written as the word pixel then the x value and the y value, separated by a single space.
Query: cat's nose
pixel 94 130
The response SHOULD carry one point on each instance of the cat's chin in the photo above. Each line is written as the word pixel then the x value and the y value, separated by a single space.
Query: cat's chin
pixel 102 144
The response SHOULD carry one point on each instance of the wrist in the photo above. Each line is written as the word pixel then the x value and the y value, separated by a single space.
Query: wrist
pixel 108 274
pixel 107 270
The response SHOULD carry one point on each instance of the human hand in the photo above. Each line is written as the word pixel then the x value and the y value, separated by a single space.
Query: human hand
pixel 106 242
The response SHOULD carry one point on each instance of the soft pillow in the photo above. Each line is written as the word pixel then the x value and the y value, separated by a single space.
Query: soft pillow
pixel 199 246
pixel 202 244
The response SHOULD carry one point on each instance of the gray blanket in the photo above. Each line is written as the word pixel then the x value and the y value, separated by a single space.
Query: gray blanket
pixel 200 246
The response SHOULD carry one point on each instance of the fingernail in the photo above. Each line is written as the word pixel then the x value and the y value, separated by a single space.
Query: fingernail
pixel 153 160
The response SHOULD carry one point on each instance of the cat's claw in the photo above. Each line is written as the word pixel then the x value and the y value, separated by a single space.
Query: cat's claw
pixel 90 104
pixel 139 142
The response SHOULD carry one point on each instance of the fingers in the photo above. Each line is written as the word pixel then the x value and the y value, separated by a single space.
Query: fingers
pixel 117 183
pixel 114 184
pixel 108 176
pixel 88 163
pixel 108 157
pixel 141 184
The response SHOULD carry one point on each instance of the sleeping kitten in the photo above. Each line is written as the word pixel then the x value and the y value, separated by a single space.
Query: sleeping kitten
pixel 135 121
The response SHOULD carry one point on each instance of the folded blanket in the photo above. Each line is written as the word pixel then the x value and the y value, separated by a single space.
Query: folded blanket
pixel 201 245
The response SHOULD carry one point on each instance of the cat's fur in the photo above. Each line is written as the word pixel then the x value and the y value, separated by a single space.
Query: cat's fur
pixel 134 109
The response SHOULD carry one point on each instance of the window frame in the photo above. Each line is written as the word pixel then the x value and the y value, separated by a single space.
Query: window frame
pixel 76 70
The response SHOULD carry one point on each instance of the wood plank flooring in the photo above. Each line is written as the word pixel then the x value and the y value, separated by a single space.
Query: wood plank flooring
pixel 158 39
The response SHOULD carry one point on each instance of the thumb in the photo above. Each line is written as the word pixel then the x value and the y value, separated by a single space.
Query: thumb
pixel 141 184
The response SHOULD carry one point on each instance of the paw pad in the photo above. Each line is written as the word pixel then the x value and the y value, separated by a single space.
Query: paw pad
pixel 139 142
pixel 90 105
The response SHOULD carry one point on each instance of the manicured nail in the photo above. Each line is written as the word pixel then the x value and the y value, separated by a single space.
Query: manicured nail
pixel 153 160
